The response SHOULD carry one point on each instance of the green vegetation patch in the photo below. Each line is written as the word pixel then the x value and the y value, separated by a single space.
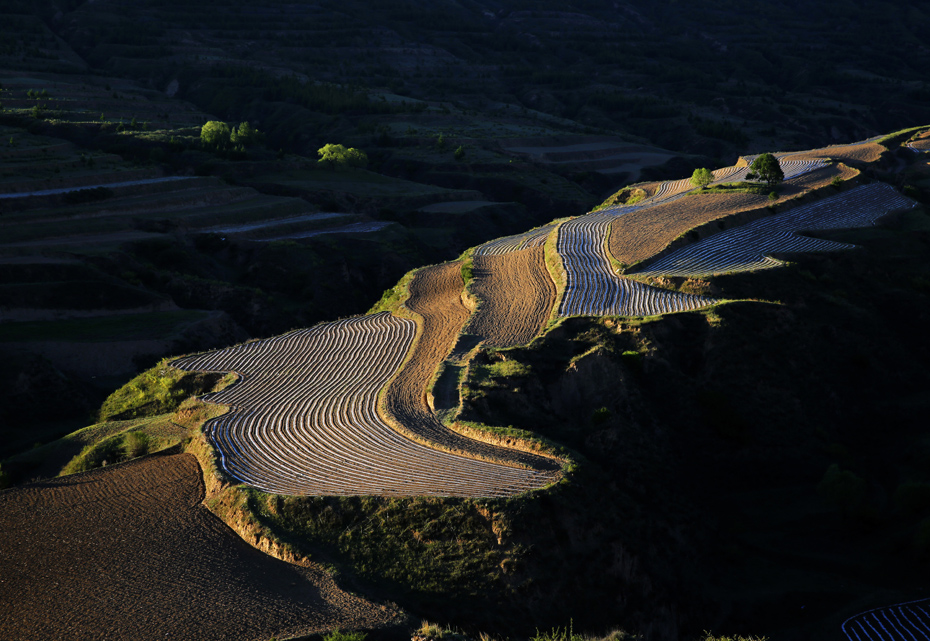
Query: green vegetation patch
pixel 429 546
pixel 733 188
pixel 159 390
pixel 393 299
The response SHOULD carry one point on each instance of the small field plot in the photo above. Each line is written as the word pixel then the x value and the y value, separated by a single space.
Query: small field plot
pixel 516 295
pixel 903 622
pixel 533 238
pixel 304 421
pixel 866 151
pixel 592 288
pixel 749 247
pixel 129 551
pixel 920 144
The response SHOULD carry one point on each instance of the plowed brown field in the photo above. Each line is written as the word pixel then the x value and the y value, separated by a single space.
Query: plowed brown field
pixel 436 296
pixel 129 552
pixel 642 234
pixel 517 296
pixel 863 152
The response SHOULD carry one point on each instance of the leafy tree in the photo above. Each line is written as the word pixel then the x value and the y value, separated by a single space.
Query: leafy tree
pixel 459 152
pixel 441 141
pixel 766 168
pixel 216 135
pixel 702 177
pixel 246 135
pixel 336 156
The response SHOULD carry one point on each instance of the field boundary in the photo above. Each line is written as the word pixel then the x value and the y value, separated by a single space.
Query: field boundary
pixel 229 502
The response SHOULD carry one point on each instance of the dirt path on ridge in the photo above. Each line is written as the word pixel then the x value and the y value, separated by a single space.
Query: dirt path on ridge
pixel 640 235
pixel 517 296
pixel 436 295
pixel 129 552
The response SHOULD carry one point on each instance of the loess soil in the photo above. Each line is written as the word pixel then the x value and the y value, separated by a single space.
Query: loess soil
pixel 642 234
pixel 516 296
pixel 862 153
pixel 129 552
pixel 436 296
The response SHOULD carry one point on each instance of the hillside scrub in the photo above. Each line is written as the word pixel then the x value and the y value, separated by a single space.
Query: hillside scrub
pixel 158 390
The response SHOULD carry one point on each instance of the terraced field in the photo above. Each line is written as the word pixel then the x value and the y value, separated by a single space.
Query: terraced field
pixel 643 233
pixel 749 247
pixel 516 295
pixel 902 622
pixel 304 419
pixel 593 289
pixel 436 297
pixel 866 151
pixel 921 144
pixel 533 238
pixel 129 551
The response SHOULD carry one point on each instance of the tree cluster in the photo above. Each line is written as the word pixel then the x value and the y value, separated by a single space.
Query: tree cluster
pixel 338 156
pixel 218 136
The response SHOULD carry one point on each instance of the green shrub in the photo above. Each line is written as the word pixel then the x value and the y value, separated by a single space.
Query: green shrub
pixel 559 634
pixel 106 452
pixel 912 498
pixel 508 369
pixel 467 271
pixel 459 152
pixel 600 416
pixel 837 181
pixel 137 444
pixel 773 195
pixel 342 635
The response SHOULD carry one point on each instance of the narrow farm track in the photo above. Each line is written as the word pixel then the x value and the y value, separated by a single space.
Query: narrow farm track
pixel 592 288
pixel 749 247
pixel 303 419
pixel 129 552
pixel 902 622
pixel 436 296
pixel 516 296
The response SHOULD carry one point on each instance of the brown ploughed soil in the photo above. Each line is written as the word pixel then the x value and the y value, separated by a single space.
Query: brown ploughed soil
pixel 516 296
pixel 436 296
pixel 865 152
pixel 129 552
pixel 922 142
pixel 642 234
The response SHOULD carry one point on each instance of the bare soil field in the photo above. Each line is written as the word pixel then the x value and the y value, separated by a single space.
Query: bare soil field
pixel 864 152
pixel 129 552
pixel 516 295
pixel 436 296
pixel 641 234
pixel 921 143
